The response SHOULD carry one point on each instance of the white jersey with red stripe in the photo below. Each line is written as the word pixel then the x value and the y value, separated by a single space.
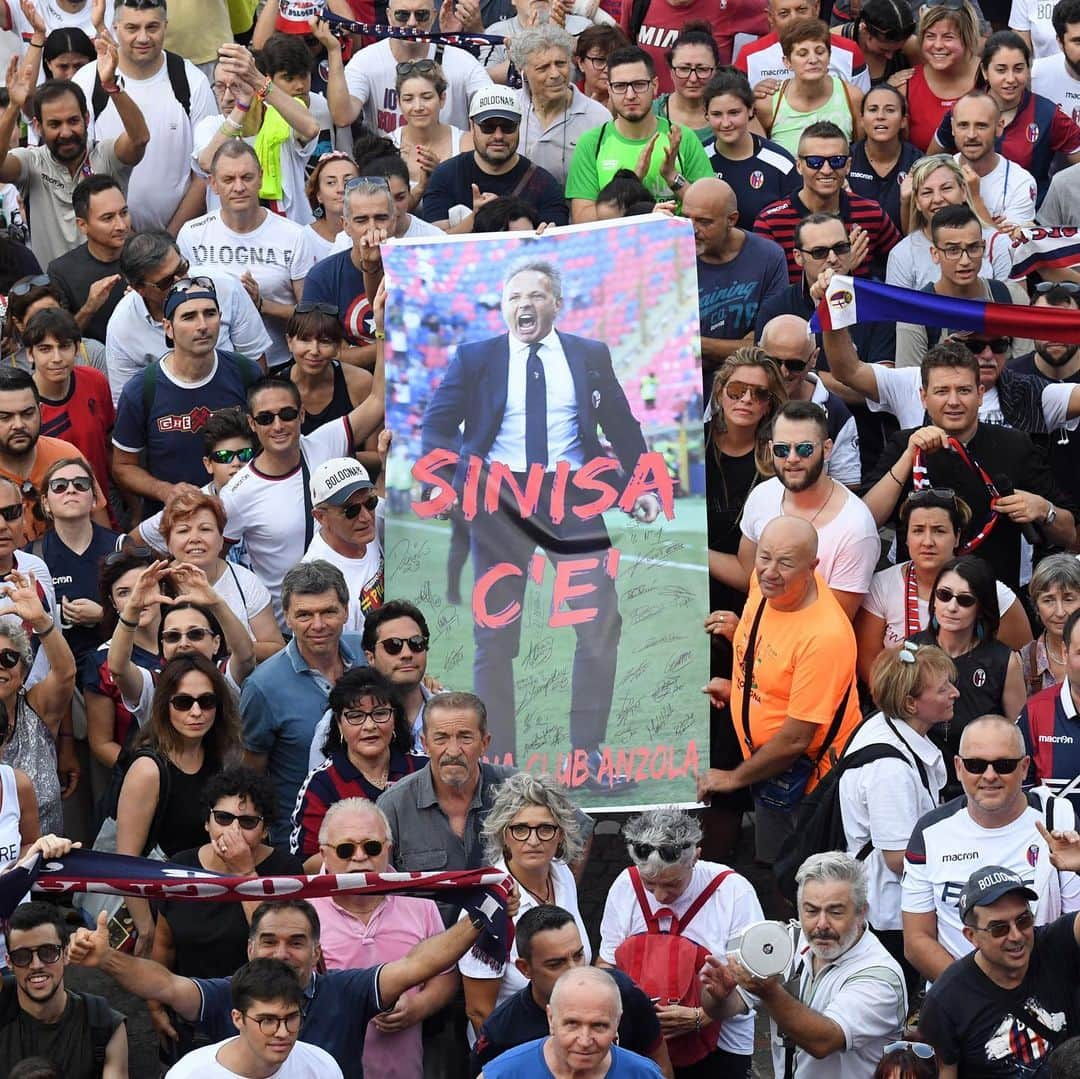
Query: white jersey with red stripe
pixel 764 59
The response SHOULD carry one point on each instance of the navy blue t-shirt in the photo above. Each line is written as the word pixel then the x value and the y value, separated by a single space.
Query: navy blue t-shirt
pixel 75 576
pixel 863 180
pixel 730 293
pixel 766 176
pixel 171 432
pixel 336 280
pixel 338 1006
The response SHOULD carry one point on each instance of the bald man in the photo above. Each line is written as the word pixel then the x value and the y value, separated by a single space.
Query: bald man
pixel 583 1014
pixel 737 272
pixel 788 340
pixel 795 646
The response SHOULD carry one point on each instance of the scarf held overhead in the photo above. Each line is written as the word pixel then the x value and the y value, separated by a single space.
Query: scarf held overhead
pixel 481 892
pixel 850 301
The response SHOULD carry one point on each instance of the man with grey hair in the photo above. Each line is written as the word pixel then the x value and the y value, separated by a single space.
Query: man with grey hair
pixel 994 823
pixel 706 902
pixel 365 931
pixel 283 699
pixel 555 113
pixel 583 1013
pixel 848 1000
pixel 531 399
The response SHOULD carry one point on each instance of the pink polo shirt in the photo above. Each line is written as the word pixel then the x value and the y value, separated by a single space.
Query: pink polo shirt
pixel 398 924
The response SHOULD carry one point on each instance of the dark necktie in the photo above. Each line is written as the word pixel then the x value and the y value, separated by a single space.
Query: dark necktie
pixel 536 426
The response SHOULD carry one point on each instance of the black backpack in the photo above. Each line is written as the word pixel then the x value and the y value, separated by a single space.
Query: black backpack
pixel 98 1015
pixel 821 822
pixel 178 80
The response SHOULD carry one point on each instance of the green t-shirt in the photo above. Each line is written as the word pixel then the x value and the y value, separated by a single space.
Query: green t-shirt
pixel 601 152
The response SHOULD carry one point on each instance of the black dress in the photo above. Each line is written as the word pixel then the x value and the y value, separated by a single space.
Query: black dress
pixel 340 403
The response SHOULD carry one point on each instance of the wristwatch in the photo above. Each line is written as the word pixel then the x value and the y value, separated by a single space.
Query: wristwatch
pixel 678 182
pixel 1051 515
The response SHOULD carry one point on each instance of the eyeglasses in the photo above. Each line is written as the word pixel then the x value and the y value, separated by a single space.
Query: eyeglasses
pixel 271 1024
pixel 804 450
pixel 597 61
pixel 11 513
pixel 920 1049
pixel 9 658
pixel 267 417
pixel 178 274
pixel 999 930
pixel 822 252
pixel 796 367
pixel 497 123
pixel 28 284
pixel 668 852
pixel 184 702
pixel 248 821
pixel 1070 288
pixel 415 67
pixel 544 832
pixel 1004 766
pixel 60 484
pixel 394 645
pixel 305 307
pixel 422 17
pixel 955 252
pixel 372 848
pixel 351 512
pixel 947 595
pixel 226 457
pixel 175 636
pixel 736 391
pixel 816 162
pixel 684 71
pixel 639 86
pixel 975 345
pixel 47 953
pixel 357 717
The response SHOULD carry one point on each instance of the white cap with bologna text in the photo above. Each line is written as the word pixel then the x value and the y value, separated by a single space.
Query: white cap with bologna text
pixel 335 481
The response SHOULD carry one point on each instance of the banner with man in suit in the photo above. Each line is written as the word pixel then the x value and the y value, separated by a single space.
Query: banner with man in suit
pixel 555 534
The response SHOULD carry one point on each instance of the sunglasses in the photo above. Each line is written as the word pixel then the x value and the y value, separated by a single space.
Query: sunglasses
pixel 394 645
pixel 195 634
pixel 248 821
pixel 226 457
pixel 796 367
pixel 9 658
pixel 305 307
pixel 415 67
pixel 544 832
pixel 998 930
pixel 372 181
pixel 58 486
pixel 126 554
pixel 422 17
pixel 668 852
pixel 47 953
pixel 357 717
pixel 931 496
pixel 184 702
pixel 920 1049
pixel 1070 288
pixel 352 511
pixel 816 162
pixel 187 284
pixel 497 123
pixel 803 449
pixel 998 345
pixel 1004 766
pixel 11 513
pixel 372 848
pixel 736 391
pixel 168 280
pixel 28 284
pixel 822 252
pixel 946 595
pixel 266 417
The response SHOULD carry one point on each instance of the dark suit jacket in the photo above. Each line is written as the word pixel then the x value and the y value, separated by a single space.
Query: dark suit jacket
pixel 474 393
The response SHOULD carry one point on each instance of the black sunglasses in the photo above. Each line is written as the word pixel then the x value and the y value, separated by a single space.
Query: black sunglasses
pixel 226 457
pixel 394 645
pixel 47 953
pixel 248 821
pixel 371 847
pixel 1070 288
pixel 822 252
pixel 497 123
pixel 1000 930
pixel 414 67
pixel 998 345
pixel 963 599
pixel 175 636
pixel 817 161
pixel 185 284
pixel 668 852
pixel 9 658
pixel 794 366
pixel 286 415
pixel 127 553
pixel 931 496
pixel 352 511
pixel 60 484
pixel 305 307
pixel 422 17
pixel 184 702
pixel 1004 766
pixel 11 513
pixel 28 284
pixel 168 280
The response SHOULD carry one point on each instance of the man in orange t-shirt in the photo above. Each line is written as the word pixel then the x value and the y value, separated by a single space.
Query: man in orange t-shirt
pixel 803 667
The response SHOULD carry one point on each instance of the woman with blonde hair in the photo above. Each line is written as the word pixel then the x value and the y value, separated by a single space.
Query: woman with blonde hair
pixel 934 182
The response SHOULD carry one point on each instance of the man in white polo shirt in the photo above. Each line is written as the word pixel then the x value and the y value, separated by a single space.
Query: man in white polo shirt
pixel 345 507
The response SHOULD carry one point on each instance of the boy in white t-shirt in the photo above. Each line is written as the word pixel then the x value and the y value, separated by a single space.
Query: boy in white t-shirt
pixel 268 1010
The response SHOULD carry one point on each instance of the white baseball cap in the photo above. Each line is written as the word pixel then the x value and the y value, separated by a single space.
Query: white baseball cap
pixel 335 481
pixel 494 101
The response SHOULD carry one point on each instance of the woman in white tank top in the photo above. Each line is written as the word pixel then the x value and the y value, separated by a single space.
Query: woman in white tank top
pixel 424 140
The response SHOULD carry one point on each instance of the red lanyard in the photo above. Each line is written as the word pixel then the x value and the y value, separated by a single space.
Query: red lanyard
pixel 920 481
pixel 912 618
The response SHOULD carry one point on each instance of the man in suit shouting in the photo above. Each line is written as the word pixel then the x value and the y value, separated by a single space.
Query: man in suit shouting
pixel 530 399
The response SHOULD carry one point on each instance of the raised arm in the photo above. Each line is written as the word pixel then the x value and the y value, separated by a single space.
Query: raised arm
pixel 427 959
pixel 131 143
pixel 367 417
pixel 19 88
pixel 344 108
pixel 147 591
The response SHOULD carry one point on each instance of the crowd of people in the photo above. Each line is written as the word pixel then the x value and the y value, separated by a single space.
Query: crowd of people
pixel 201 660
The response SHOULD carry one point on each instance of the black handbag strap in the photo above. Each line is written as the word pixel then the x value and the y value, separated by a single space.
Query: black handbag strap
pixel 309 521
pixel 919 767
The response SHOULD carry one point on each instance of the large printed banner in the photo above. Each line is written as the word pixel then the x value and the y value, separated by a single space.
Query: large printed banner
pixel 547 507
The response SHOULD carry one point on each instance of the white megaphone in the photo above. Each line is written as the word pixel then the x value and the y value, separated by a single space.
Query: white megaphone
pixel 763 948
